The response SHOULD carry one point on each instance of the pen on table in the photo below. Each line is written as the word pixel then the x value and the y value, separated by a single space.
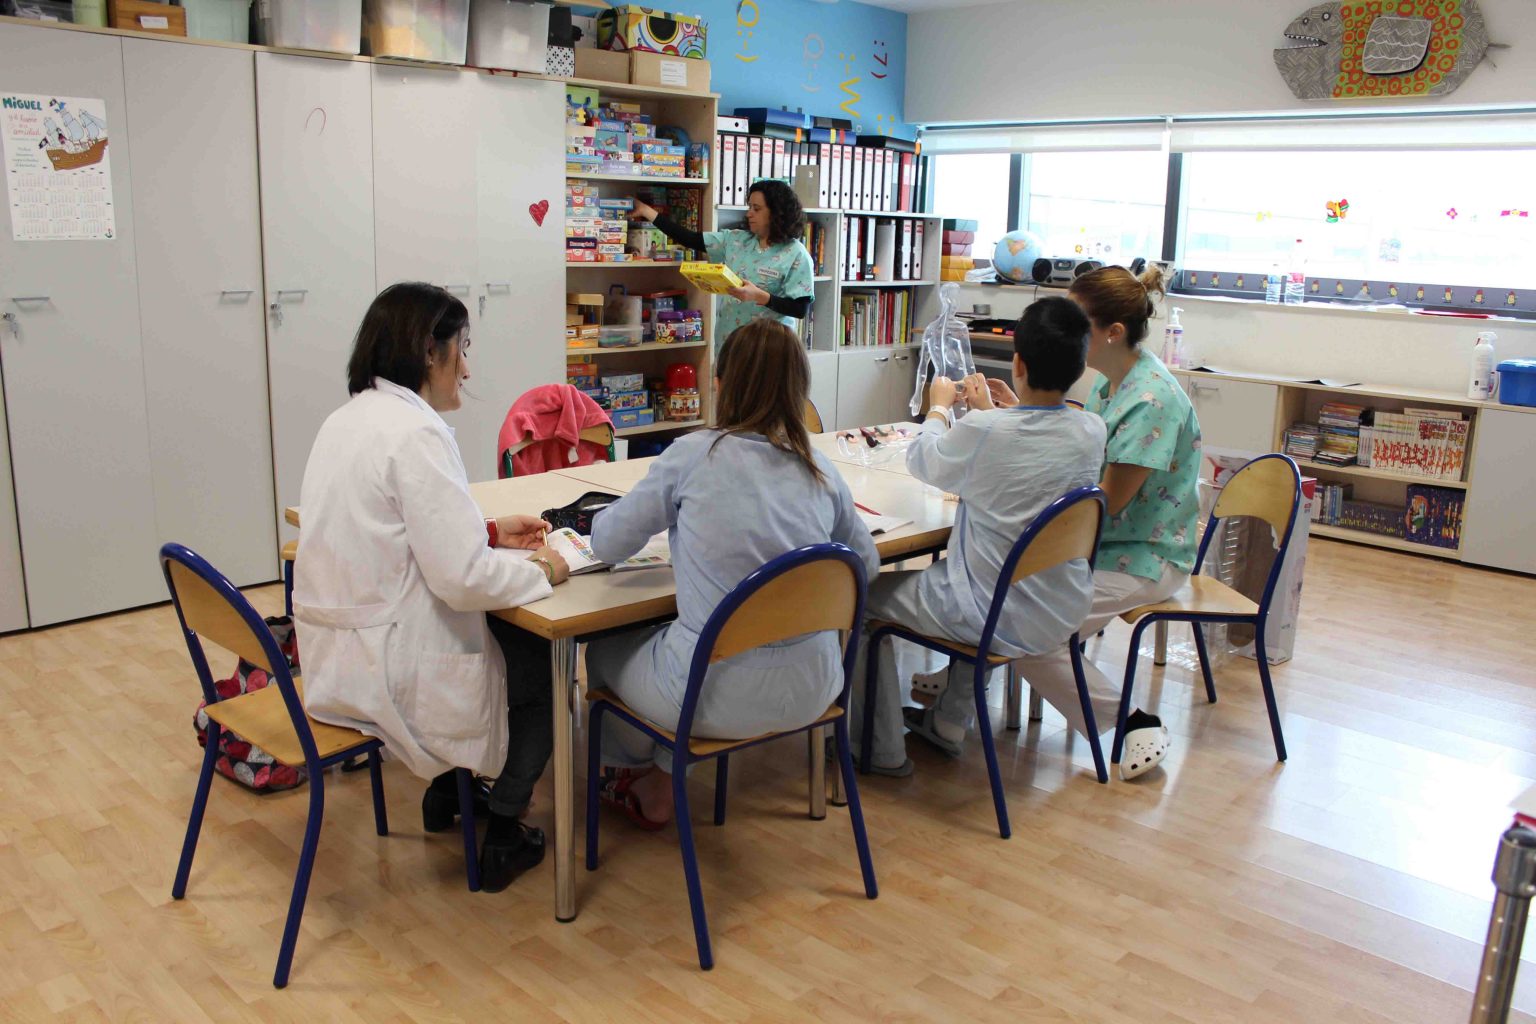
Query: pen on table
pixel 865 508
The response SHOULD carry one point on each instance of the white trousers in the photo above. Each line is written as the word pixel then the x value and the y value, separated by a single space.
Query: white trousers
pixel 1050 675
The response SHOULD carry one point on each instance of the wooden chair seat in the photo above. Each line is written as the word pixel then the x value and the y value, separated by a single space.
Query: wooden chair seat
pixel 291 551
pixel 954 645
pixel 701 747
pixel 262 718
pixel 1201 595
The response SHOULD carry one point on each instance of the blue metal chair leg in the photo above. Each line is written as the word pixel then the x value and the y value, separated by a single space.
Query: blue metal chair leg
pixel 301 879
pixel 199 804
pixel 594 778
pixel 691 864
pixel 871 688
pixel 288 589
pixel 376 777
pixel 984 727
pixel 1125 690
pixel 855 809
pixel 465 779
pixel 1205 661
pixel 1269 689
pixel 1090 721
pixel 722 771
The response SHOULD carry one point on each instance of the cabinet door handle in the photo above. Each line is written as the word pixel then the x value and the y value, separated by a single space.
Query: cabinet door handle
pixel 237 291
pixel 882 359
pixel 504 286
pixel 31 298
pixel 300 292
pixel 456 289
pixel 1196 387
pixel 902 359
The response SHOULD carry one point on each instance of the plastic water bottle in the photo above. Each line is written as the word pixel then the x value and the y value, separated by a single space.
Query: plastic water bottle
pixel 1296 280
pixel 1274 284
pixel 1480 379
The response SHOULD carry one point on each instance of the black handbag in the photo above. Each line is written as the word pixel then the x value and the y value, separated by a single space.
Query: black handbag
pixel 578 515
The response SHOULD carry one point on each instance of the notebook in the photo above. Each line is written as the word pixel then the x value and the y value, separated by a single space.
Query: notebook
pixel 882 524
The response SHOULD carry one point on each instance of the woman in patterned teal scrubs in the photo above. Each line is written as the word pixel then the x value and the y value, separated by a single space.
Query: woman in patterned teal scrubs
pixel 769 257
pixel 1151 475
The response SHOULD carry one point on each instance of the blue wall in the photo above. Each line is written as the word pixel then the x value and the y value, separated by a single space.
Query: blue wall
pixel 841 59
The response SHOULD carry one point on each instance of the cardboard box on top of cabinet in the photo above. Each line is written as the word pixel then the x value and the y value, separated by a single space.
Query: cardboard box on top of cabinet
pixel 601 65
pixel 667 71
pixel 140 16
pixel 633 27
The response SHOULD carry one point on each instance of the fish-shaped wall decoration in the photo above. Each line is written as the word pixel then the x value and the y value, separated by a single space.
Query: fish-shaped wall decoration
pixel 1396 48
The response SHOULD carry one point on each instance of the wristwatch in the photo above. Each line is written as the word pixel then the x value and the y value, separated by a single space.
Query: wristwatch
pixel 493 535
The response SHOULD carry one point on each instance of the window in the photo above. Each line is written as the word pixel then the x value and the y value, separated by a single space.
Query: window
pixel 1425 216
pixel 1103 205
pixel 974 186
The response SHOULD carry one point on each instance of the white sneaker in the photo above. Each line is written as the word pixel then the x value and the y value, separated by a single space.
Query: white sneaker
pixel 1146 744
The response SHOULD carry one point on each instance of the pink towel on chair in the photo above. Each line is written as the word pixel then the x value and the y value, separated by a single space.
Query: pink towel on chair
pixel 553 415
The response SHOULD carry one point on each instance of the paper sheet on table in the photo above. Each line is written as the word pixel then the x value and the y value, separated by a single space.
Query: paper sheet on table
pixel 882 524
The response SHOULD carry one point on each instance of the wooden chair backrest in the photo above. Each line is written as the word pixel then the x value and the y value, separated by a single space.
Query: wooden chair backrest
pixel 812 418
pixel 810 598
pixel 211 617
pixel 601 434
pixel 1070 535
pixel 1264 489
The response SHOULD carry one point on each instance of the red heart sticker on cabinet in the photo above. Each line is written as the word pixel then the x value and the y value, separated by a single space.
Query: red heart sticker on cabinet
pixel 538 210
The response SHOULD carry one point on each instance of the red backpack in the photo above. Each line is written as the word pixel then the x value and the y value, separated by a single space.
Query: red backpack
pixel 239 759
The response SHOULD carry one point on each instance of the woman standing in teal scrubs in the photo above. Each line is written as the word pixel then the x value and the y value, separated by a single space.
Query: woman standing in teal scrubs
pixel 769 257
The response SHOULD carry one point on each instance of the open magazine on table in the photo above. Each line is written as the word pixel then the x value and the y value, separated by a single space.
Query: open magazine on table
pixel 578 554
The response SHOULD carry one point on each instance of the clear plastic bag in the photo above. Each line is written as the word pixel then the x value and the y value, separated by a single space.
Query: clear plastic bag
pixel 946 347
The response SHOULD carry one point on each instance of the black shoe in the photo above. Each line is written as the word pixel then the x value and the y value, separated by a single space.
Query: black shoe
pixel 440 804
pixel 501 862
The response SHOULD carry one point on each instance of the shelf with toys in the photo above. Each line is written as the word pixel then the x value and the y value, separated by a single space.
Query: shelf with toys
pixel 638 333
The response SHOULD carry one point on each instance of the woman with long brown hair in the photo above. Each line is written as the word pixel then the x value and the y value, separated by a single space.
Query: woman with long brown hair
pixel 730 499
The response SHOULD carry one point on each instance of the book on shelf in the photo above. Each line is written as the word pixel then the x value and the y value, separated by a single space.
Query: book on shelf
pixel 1433 515
pixel 878 174
pixel 1423 442
pixel 872 318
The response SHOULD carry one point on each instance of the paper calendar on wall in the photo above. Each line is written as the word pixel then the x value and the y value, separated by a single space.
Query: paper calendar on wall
pixel 58 174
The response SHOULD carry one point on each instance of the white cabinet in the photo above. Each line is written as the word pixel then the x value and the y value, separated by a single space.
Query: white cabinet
pixel 74 372
pixel 198 244
pixel 519 339
pixel 1234 415
pixel 315 138
pixel 874 385
pixel 1496 529
pixel 13 592
pixel 824 386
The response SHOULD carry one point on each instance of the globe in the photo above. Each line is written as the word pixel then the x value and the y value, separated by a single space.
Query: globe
pixel 1016 254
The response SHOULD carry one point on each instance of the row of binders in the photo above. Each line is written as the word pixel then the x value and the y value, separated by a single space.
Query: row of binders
pixel 879 249
pixel 848 177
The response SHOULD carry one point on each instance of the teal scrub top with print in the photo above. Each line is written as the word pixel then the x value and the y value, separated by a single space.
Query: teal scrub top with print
pixel 1150 422
pixel 783 270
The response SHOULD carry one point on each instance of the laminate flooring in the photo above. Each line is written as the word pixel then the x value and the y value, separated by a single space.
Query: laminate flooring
pixel 1349 885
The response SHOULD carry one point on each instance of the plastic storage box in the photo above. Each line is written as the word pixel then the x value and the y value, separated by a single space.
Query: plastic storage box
pixel 335 26
pixel 431 30
pixel 38 10
pixel 1517 382
pixel 511 35
pixel 226 20
pixel 624 418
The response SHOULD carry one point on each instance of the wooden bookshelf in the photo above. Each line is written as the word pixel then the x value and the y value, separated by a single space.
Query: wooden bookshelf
pixel 1377 540
pixel 625 350
pixel 1378 474
pixel 659 427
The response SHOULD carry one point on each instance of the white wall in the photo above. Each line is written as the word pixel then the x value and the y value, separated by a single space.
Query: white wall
pixel 1051 60
pixel 1313 341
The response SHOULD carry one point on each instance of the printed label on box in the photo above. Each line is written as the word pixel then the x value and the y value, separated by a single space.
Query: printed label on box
pixel 674 72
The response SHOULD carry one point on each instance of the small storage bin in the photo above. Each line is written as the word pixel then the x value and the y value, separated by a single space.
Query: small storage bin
pixel 623 418
pixel 1517 382
pixel 431 30
pixel 225 20
pixel 335 26
pixel 619 335
pixel 511 35
pixel 39 10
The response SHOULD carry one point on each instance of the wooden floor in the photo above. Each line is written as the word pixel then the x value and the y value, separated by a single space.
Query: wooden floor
pixel 1348 885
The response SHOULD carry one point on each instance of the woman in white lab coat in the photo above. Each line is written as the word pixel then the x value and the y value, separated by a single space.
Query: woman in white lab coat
pixel 395 575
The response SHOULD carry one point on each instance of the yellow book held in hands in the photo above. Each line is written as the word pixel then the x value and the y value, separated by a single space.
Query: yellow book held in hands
pixel 712 277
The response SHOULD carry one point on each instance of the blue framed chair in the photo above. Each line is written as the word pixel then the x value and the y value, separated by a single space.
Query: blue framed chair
pixel 1268 489
pixel 208 605
pixel 809 590
pixel 1067 529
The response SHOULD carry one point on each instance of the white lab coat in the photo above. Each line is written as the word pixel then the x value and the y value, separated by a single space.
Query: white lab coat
pixel 392 583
